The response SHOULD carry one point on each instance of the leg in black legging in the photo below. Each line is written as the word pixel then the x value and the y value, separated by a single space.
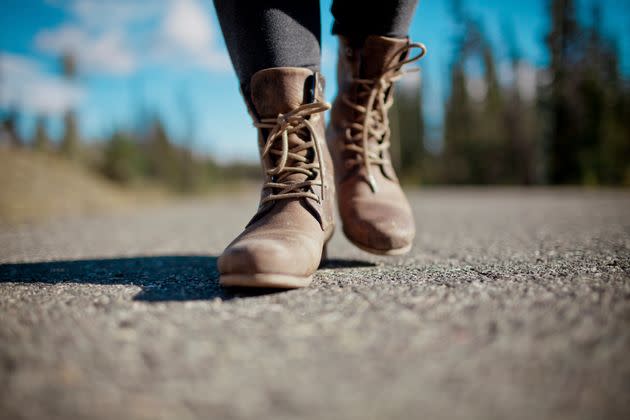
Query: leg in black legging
pixel 270 33
pixel 356 19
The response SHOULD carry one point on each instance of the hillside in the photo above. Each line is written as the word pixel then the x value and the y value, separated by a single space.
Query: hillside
pixel 36 187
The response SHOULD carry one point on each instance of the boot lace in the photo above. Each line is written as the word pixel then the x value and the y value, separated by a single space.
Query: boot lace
pixel 368 136
pixel 286 151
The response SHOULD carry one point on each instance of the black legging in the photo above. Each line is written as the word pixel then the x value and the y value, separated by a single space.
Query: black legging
pixel 287 33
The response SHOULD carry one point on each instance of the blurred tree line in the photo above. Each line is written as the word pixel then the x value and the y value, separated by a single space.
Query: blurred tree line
pixel 573 128
pixel 568 123
pixel 149 154
pixel 143 155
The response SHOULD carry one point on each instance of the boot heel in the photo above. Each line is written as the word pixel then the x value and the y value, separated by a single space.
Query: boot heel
pixel 324 257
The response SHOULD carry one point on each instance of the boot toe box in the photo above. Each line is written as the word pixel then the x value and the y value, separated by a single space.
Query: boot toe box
pixel 288 255
pixel 380 227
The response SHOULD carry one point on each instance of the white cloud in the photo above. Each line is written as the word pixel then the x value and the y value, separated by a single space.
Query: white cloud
pixel 105 53
pixel 26 86
pixel 329 57
pixel 114 13
pixel 110 14
pixel 120 36
pixel 187 34
pixel 411 81
pixel 525 75
pixel 477 88
pixel 186 25
pixel 505 73
pixel 527 81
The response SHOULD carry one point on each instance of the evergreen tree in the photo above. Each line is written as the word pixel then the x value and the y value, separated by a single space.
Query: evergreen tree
pixel 123 162
pixel 474 138
pixel 522 128
pixel 41 141
pixel 490 145
pixel 192 173
pixel 163 160
pixel 407 124
pixel 458 126
pixel 589 125
pixel 70 142
pixel 10 124
pixel 564 46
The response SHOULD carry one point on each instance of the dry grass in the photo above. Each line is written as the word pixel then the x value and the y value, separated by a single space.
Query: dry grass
pixel 36 187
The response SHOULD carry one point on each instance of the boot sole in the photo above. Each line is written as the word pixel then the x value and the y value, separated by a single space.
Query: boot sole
pixel 277 281
pixel 388 252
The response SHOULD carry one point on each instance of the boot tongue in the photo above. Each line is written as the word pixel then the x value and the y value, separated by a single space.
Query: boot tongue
pixel 278 90
pixel 378 52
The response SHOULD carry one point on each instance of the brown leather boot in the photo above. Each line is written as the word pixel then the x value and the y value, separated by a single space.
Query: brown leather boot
pixel 375 213
pixel 283 244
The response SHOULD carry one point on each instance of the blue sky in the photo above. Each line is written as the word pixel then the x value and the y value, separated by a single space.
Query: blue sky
pixel 167 56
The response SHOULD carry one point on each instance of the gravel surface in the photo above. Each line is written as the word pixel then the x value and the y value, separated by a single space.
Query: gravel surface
pixel 512 304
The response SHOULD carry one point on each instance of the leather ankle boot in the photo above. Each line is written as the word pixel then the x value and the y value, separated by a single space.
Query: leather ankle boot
pixel 282 245
pixel 375 213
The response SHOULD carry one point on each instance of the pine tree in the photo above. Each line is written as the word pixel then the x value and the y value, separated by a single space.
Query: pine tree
pixel 123 162
pixel 407 124
pixel 10 124
pixel 70 142
pixel 41 140
pixel 589 141
pixel 521 122
pixel 605 96
pixel 458 126
pixel 163 160
pixel 564 45
pixel 490 147
pixel 473 132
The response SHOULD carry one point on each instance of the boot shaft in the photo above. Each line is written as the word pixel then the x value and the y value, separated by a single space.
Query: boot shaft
pixel 359 127
pixel 276 95
pixel 279 90
pixel 367 60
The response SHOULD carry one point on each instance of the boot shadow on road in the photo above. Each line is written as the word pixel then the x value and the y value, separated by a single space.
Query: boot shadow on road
pixel 161 278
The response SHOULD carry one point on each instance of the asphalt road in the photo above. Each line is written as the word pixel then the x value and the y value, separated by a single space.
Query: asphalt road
pixel 513 304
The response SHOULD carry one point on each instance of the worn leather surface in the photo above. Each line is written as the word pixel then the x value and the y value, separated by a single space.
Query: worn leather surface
pixel 380 220
pixel 285 236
